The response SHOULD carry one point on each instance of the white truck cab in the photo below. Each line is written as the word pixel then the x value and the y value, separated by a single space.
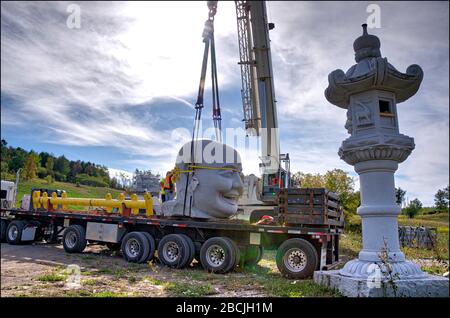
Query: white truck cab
pixel 8 194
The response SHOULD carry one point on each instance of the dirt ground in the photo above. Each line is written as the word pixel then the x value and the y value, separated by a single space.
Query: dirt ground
pixel 41 270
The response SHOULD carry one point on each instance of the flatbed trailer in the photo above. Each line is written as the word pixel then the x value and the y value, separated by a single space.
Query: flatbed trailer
pixel 219 245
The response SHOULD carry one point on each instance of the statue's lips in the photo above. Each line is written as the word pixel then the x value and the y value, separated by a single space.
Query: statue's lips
pixel 230 198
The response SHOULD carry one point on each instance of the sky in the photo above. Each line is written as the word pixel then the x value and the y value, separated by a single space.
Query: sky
pixel 120 89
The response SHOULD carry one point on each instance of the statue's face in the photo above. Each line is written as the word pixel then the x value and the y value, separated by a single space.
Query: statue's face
pixel 218 191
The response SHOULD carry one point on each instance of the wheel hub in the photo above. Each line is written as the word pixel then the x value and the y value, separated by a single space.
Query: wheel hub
pixel 295 260
pixel 171 251
pixel 215 255
pixel 71 239
pixel 133 247
pixel 13 232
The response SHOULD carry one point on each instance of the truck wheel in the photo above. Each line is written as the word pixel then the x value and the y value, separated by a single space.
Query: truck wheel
pixel 218 255
pixel 3 227
pixel 237 255
pixel 14 232
pixel 253 255
pixel 191 248
pixel 297 258
pixel 135 247
pixel 74 239
pixel 152 247
pixel 174 251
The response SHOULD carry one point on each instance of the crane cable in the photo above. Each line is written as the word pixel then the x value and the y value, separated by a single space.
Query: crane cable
pixel 208 39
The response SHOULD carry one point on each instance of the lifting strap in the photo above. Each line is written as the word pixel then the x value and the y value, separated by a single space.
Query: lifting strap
pixel 208 39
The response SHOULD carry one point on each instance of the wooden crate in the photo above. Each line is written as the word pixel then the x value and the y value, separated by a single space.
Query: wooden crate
pixel 310 206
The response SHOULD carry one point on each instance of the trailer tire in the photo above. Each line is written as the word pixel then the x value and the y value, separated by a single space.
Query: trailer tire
pixel 152 247
pixel 135 247
pixel 297 258
pixel 174 251
pixel 252 255
pixel 14 232
pixel 191 248
pixel 218 255
pixel 74 239
pixel 237 255
pixel 3 227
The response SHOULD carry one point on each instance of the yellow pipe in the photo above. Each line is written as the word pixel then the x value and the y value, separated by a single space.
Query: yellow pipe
pixel 108 203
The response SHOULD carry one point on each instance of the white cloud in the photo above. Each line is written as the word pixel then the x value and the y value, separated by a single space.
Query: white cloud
pixel 100 85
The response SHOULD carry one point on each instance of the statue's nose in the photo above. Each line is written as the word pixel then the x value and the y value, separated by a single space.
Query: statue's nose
pixel 238 184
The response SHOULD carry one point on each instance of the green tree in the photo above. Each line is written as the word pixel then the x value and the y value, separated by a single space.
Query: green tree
pixel 62 166
pixel 18 158
pixel 49 165
pixel 399 195
pixel 309 180
pixel 413 208
pixel 29 171
pixel 4 151
pixel 337 181
pixel 113 183
pixel 441 199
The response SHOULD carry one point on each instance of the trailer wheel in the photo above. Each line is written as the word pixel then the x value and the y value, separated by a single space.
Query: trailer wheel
pixel 297 258
pixel 135 247
pixel 174 251
pixel 14 232
pixel 237 255
pixel 218 255
pixel 3 227
pixel 74 239
pixel 191 248
pixel 152 247
pixel 252 255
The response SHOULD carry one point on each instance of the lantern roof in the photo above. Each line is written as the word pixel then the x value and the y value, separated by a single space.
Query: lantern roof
pixel 372 71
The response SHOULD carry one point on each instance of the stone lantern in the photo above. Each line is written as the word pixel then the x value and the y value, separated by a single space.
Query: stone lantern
pixel 370 92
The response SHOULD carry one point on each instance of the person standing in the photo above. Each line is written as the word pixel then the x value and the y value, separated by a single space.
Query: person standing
pixel 162 190
pixel 169 186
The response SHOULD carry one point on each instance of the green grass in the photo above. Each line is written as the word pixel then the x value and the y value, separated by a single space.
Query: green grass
pixel 109 294
pixel 439 221
pixel 153 281
pixel 72 190
pixel 50 277
pixel 177 289
pixel 89 282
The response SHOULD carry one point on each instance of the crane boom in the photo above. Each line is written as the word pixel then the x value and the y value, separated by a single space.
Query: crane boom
pixel 258 93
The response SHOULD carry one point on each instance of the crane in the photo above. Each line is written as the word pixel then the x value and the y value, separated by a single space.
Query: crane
pixel 258 94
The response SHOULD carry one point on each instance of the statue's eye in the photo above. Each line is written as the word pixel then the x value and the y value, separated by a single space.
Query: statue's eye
pixel 227 173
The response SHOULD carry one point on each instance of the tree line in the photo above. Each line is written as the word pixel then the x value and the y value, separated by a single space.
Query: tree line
pixel 342 183
pixel 47 166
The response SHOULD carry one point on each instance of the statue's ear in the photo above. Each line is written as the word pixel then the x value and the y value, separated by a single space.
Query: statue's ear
pixel 193 184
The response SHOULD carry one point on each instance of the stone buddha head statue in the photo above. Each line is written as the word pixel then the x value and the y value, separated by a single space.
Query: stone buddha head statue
pixel 209 181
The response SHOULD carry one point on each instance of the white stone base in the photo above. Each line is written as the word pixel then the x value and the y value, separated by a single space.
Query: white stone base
pixel 429 286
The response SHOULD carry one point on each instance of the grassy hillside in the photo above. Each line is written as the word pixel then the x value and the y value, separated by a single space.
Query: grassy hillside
pixel 351 240
pixel 72 190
